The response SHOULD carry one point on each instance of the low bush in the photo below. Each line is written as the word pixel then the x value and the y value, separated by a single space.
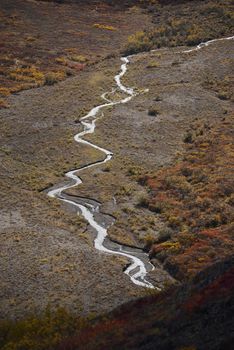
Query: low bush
pixel 27 74
pixel 188 138
pixel 142 200
pixel 153 64
pixel 153 112
pixel 138 42
pixel 164 235
pixel 79 58
pixel 104 26
pixel 54 77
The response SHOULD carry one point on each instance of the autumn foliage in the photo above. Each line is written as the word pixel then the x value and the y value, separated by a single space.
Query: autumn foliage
pixel 194 198
pixel 193 316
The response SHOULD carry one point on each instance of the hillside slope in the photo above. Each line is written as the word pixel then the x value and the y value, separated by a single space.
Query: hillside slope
pixel 195 316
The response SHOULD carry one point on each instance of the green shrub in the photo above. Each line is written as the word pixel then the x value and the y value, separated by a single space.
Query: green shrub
pixel 142 200
pixel 54 77
pixel 153 112
pixel 164 235
pixel 188 138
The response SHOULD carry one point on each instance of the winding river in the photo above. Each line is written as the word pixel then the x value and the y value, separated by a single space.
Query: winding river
pixel 140 264
pixel 139 267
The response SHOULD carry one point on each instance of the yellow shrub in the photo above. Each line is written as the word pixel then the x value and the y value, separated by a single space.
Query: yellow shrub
pixel 103 26
pixel 138 42
pixel 79 58
pixel 3 104
pixel 173 247
pixel 27 75
pixel 61 60
pixel 4 92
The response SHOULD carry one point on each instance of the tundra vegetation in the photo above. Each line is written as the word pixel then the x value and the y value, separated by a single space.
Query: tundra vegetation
pixel 207 20
pixel 192 197
pixel 44 42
